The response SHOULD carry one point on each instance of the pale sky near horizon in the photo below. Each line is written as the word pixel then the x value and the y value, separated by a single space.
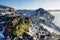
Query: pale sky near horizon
pixel 32 4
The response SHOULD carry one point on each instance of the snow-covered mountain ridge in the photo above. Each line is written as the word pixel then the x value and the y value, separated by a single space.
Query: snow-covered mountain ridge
pixel 41 16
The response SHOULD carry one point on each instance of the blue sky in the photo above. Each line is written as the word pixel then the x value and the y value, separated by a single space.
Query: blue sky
pixel 32 4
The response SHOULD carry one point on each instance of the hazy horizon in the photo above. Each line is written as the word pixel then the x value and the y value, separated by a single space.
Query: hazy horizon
pixel 32 4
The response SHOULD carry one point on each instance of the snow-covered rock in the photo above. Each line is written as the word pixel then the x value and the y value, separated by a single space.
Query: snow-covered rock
pixel 1 34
